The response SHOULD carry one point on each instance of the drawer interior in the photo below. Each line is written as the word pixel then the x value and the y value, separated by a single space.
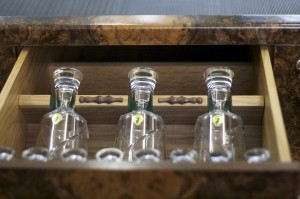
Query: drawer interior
pixel 26 95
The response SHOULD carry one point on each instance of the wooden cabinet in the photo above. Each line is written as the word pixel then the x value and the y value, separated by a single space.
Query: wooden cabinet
pixel 26 94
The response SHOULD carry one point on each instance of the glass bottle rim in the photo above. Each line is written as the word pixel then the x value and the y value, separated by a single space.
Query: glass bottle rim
pixel 218 76
pixel 256 155
pixel 68 73
pixel 177 153
pixel 143 71
pixel 117 153
pixel 74 154
pixel 6 153
pixel 209 72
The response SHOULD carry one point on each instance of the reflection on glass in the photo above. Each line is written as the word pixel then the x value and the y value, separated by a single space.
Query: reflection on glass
pixel 64 129
pixel 141 129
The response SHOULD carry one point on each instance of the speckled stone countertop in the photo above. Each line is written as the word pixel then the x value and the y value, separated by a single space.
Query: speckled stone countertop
pixel 150 30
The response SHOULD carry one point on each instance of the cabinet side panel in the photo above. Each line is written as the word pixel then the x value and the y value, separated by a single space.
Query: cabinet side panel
pixel 13 124
pixel 274 134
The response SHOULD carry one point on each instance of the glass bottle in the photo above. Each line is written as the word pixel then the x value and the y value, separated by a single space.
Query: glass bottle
pixel 63 129
pixel 219 134
pixel 141 129
pixel 109 155
pixel 183 156
pixel 6 153
pixel 146 155
pixel 40 154
pixel 74 155
pixel 257 155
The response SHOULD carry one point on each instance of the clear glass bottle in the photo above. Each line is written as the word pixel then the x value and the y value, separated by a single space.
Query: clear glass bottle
pixel 141 129
pixel 109 155
pixel 146 155
pixel 257 155
pixel 63 129
pixel 40 154
pixel 74 155
pixel 6 153
pixel 183 156
pixel 219 134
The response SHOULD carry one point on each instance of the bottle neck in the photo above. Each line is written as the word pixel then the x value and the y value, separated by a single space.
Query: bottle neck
pixel 65 97
pixel 141 97
pixel 219 98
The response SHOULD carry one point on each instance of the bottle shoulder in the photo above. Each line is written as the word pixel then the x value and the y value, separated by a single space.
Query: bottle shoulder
pixel 59 112
pixel 143 113
pixel 223 113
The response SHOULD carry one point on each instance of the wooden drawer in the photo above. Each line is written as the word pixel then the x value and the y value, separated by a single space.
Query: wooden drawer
pixel 25 98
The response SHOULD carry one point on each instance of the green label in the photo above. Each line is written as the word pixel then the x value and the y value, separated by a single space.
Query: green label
pixel 56 118
pixel 217 120
pixel 138 119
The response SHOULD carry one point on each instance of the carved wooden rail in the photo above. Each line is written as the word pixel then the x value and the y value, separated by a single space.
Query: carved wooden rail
pixel 181 100
pixel 100 99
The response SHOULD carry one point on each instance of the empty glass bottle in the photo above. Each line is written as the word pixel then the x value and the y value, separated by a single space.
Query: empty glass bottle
pixel 40 154
pixel 64 129
pixel 257 155
pixel 74 155
pixel 6 153
pixel 109 155
pixel 141 129
pixel 219 134
pixel 146 155
pixel 183 156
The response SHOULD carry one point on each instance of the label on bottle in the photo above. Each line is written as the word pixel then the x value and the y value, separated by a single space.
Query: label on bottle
pixel 138 119
pixel 217 120
pixel 56 118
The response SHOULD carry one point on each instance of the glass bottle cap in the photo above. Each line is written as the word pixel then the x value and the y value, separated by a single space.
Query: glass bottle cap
pixel 218 76
pixel 65 76
pixel 143 76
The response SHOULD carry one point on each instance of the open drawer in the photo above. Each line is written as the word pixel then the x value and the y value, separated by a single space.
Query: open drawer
pixel 26 95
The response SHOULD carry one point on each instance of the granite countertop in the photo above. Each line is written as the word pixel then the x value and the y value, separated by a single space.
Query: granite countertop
pixel 143 22
pixel 149 30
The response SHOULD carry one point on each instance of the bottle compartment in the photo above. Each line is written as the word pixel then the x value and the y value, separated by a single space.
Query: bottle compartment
pixel 179 119
pixel 26 95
